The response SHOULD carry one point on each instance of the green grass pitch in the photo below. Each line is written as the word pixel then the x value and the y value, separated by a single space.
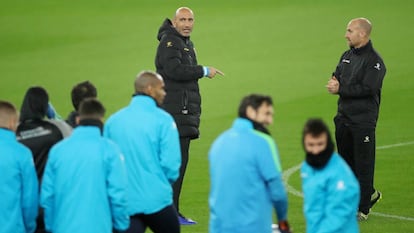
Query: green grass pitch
pixel 287 49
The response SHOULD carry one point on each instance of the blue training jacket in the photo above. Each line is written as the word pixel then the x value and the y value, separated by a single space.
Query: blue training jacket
pixel 331 197
pixel 148 137
pixel 84 185
pixel 246 181
pixel 18 186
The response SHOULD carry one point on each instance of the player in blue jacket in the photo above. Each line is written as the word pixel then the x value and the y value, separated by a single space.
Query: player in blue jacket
pixel 246 179
pixel 148 137
pixel 84 183
pixel 331 191
pixel 18 180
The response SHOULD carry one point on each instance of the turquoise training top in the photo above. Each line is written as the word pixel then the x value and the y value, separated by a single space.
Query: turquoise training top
pixel 148 138
pixel 246 181
pixel 18 186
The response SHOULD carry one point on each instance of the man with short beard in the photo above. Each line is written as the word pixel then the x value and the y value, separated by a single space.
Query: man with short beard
pixel 331 191
pixel 246 176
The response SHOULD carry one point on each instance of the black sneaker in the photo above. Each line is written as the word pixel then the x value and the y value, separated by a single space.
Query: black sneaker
pixel 375 197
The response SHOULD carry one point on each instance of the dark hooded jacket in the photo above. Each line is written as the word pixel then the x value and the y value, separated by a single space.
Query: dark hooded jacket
pixel 38 134
pixel 176 62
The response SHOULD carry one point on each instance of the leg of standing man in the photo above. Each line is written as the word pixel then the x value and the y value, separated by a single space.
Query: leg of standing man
pixel 364 157
pixel 344 142
pixel 185 147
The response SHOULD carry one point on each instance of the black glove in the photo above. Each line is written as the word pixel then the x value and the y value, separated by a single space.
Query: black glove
pixel 284 227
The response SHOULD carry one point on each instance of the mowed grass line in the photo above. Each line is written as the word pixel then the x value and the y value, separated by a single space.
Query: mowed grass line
pixel 284 48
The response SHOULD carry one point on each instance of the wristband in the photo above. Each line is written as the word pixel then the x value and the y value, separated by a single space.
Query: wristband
pixel 206 71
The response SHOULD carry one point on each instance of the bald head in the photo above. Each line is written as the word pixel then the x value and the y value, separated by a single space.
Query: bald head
pixel 183 10
pixel 152 84
pixel 146 79
pixel 358 32
pixel 363 24
pixel 8 115
pixel 183 21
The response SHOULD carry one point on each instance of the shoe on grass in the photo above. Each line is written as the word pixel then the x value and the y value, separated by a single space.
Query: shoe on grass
pixel 185 221
pixel 362 217
pixel 375 197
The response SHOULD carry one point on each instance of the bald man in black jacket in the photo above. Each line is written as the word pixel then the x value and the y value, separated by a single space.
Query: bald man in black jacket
pixel 358 82
pixel 176 62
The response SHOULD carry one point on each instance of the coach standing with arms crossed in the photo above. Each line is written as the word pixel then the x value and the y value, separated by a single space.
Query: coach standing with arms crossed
pixel 358 82
pixel 176 62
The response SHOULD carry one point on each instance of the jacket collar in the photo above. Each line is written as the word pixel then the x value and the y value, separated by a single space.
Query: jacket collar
pixel 7 134
pixel 362 49
pixel 242 123
pixel 86 131
pixel 143 100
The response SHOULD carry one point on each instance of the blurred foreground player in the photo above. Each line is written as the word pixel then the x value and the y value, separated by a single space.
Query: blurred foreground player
pixel 18 181
pixel 246 179
pixel 38 133
pixel 148 137
pixel 84 186
pixel 331 191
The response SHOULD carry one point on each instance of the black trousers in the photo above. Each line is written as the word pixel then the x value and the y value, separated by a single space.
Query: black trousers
pixel 163 221
pixel 185 146
pixel 357 146
pixel 40 224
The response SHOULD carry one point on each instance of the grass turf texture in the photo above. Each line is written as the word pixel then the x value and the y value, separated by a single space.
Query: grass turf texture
pixel 287 49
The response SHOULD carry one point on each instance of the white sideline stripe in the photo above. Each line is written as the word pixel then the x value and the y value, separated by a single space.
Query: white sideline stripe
pixel 392 216
pixel 289 172
pixel 286 175
pixel 395 145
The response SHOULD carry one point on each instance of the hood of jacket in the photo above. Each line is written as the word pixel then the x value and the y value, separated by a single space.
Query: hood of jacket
pixel 35 104
pixel 168 29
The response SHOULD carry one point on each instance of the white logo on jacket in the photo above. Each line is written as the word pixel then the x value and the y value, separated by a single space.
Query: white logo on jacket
pixel 377 66
pixel 340 185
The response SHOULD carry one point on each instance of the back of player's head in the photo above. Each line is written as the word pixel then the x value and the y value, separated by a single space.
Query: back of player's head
pixel 254 101
pixel 315 127
pixel 35 104
pixel 81 91
pixel 91 108
pixel 145 79
pixel 8 115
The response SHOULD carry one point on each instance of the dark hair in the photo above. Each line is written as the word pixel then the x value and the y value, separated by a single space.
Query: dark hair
pixel 35 104
pixel 81 91
pixel 91 108
pixel 254 101
pixel 315 127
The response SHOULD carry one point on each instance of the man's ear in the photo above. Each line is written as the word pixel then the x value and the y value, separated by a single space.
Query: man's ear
pixel 149 91
pixel 77 120
pixel 13 124
pixel 250 113
pixel 362 33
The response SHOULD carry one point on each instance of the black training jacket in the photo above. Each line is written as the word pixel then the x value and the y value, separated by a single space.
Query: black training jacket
pixel 176 62
pixel 38 134
pixel 360 73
